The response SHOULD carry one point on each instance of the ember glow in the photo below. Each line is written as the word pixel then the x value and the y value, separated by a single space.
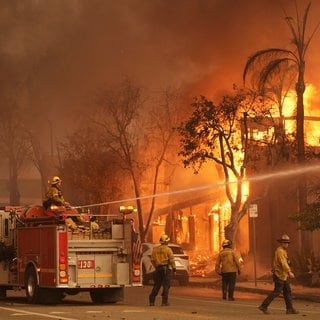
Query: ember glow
pixel 221 212
pixel 312 114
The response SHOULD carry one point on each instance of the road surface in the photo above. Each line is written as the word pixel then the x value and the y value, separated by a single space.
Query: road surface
pixel 185 303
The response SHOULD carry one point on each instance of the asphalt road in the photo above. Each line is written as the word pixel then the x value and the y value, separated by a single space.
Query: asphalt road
pixel 185 303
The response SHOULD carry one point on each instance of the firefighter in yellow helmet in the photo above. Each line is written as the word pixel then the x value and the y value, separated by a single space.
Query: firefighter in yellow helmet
pixel 163 260
pixel 54 194
pixel 228 265
pixel 281 272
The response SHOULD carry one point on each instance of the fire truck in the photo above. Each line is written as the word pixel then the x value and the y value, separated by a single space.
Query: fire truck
pixel 53 253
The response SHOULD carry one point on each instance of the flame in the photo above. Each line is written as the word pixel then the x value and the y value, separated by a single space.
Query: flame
pixel 289 110
pixel 311 121
pixel 219 214
pixel 310 101
pixel 312 133
pixel 312 116
pixel 289 104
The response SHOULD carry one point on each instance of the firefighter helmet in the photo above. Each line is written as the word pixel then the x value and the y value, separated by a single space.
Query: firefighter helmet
pixel 284 239
pixel 164 239
pixel 55 180
pixel 226 243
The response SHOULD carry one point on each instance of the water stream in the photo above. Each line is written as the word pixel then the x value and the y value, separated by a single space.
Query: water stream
pixel 298 170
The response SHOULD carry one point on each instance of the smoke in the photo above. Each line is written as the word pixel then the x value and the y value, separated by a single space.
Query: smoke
pixel 69 48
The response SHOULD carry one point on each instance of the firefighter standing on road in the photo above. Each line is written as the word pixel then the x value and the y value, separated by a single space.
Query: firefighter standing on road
pixel 163 260
pixel 54 194
pixel 228 265
pixel 281 273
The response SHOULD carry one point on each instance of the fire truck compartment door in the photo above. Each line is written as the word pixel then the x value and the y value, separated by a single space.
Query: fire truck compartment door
pixel 94 269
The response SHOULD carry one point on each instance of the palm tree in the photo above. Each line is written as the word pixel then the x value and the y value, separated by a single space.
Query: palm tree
pixel 274 60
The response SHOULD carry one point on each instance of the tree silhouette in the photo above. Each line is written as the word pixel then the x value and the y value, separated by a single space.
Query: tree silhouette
pixel 138 131
pixel 14 140
pixel 90 167
pixel 268 63
pixel 275 60
pixel 214 133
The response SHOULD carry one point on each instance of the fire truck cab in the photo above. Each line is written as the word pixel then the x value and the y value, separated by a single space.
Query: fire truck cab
pixel 52 254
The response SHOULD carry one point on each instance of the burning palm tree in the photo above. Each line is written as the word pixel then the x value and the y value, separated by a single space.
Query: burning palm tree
pixel 268 63
pixel 275 60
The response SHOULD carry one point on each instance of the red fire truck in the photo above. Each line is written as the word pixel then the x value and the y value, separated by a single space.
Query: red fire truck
pixel 54 253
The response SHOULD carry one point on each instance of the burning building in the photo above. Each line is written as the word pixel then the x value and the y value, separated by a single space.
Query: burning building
pixel 198 222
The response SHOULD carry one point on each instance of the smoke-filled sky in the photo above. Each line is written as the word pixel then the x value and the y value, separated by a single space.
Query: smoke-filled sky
pixel 65 49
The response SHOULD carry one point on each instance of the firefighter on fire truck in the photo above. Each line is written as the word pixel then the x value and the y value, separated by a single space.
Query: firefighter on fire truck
pixel 54 194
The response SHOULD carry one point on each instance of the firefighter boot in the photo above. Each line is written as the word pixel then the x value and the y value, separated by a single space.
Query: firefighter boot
pixel 165 302
pixel 224 295
pixel 151 301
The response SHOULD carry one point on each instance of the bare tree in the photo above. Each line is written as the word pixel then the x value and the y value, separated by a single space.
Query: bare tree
pixel 89 168
pixel 164 117
pixel 132 129
pixel 14 144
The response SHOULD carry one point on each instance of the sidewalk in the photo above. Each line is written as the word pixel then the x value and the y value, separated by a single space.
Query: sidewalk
pixel 262 287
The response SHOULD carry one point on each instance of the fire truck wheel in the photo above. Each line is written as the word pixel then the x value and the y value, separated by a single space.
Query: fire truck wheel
pixel 31 285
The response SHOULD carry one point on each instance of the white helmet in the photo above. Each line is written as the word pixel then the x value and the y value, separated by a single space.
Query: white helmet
pixel 284 239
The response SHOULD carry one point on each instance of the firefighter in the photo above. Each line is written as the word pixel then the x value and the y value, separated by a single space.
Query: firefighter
pixel 94 224
pixel 281 273
pixel 163 260
pixel 228 265
pixel 54 194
